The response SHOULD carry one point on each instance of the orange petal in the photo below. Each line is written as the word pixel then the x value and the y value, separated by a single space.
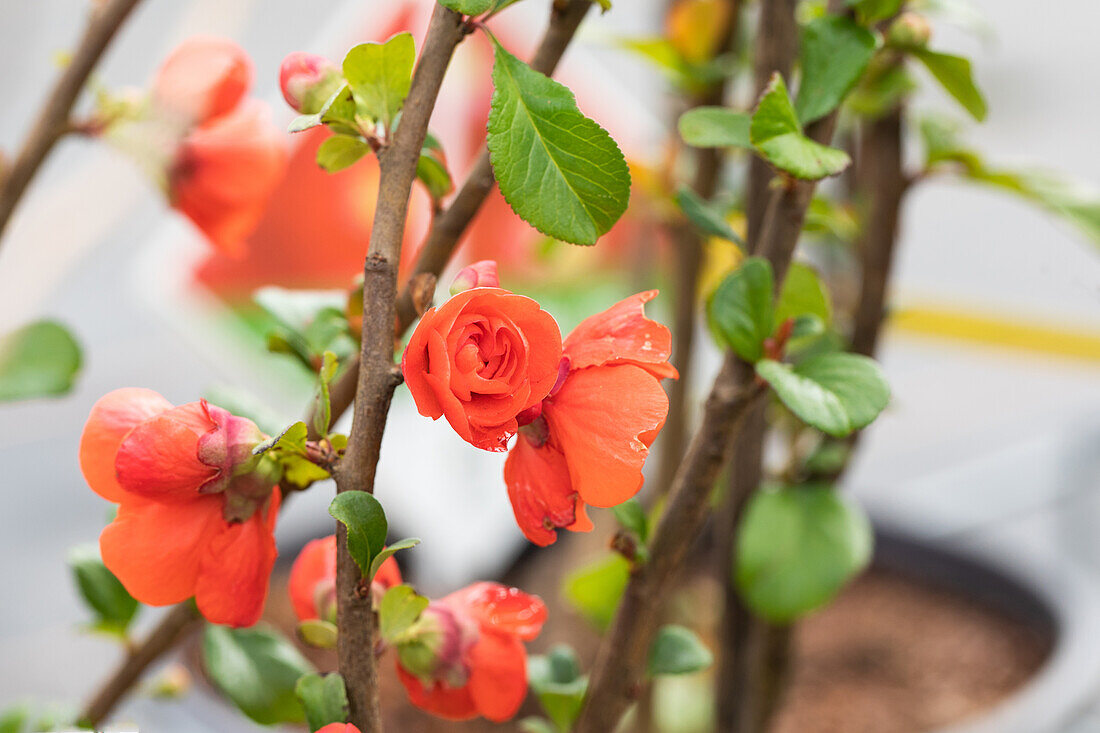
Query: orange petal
pixel 155 549
pixel 622 335
pixel 225 172
pixel 498 675
pixel 202 78
pixel 314 564
pixel 502 608
pixel 233 577
pixel 159 459
pixel 338 728
pixel 451 703
pixel 540 490
pixel 113 416
pixel 602 418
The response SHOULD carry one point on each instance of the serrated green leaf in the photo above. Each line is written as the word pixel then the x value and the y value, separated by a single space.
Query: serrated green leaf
pixel 340 151
pixel 632 517
pixel 379 75
pixel 318 633
pixel 366 525
pixel 388 551
pixel 802 294
pixel 290 440
pixel 835 53
pixel 257 670
pixel 955 75
pixel 400 609
pixel 38 360
pixel 715 127
pixel 558 170
pixel 704 217
pixel 324 698
pixel 677 650
pixel 595 589
pixel 112 604
pixel 834 392
pixel 796 548
pixel 740 312
pixel 467 7
pixel 777 136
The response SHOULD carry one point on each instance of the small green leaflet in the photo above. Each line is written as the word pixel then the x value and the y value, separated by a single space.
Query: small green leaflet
pixel 954 73
pixel 677 650
pixel 835 53
pixel 318 633
pixel 400 608
pixel 323 401
pixel 113 606
pixel 380 75
pixel 797 546
pixel 715 127
pixel 834 392
pixel 366 525
pixel 705 217
pixel 777 136
pixel 257 669
pixel 338 112
pixel 340 151
pixel 324 698
pixel 803 294
pixel 557 681
pixel 632 517
pixel 872 11
pixel 596 589
pixel 558 170
pixel 38 360
pixel 740 312
pixel 467 7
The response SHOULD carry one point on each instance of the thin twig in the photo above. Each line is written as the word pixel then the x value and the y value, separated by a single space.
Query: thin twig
pixel 377 374
pixel 450 224
pixel 175 626
pixel 53 120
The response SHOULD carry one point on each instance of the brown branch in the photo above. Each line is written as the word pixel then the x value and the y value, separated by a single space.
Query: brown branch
pixel 449 225
pixel 176 625
pixel 688 259
pixel 377 374
pixel 53 120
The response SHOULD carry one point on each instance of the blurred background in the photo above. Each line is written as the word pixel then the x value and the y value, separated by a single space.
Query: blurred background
pixel 993 350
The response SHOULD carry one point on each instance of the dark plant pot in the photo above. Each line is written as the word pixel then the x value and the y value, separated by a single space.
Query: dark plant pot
pixel 1052 595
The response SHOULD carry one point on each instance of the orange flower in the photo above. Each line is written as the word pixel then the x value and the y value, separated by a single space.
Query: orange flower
pixel 478 665
pixel 196 511
pixel 312 583
pixel 588 440
pixel 481 359
pixel 338 728
pixel 201 79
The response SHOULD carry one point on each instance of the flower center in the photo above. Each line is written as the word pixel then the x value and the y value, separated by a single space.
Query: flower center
pixel 244 480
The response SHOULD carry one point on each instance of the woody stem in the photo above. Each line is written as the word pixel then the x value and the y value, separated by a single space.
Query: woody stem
pixel 53 119
pixel 377 376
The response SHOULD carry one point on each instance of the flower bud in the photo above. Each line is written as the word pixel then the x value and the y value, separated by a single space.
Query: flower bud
pixel 437 651
pixel 307 81
pixel 909 30
pixel 482 274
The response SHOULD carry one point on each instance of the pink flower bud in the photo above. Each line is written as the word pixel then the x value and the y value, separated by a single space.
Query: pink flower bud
pixel 481 274
pixel 307 81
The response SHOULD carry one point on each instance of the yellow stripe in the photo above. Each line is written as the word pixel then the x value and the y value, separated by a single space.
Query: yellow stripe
pixel 998 331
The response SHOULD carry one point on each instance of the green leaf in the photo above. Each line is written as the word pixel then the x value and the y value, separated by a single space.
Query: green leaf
pixel 380 75
pixel 324 698
pixel 705 217
pixel 835 392
pixel 318 633
pixel 307 323
pixel 954 73
pixel 323 401
pixel 678 650
pixel 533 724
pixel 835 53
pixel 558 170
pixel 340 151
pixel 632 516
pixel 291 440
pixel 740 312
pixel 872 11
pixel 803 294
pixel 434 175
pixel 467 7
pixel 796 548
pixel 38 360
pixel 400 609
pixel 715 127
pixel 15 719
pixel 557 681
pixel 388 551
pixel 366 525
pixel 595 589
pixel 777 136
pixel 257 669
pixel 112 604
